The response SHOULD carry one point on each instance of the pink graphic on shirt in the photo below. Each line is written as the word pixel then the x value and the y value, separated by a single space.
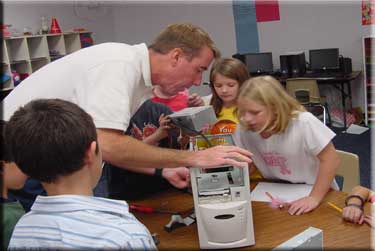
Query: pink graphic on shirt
pixel 273 159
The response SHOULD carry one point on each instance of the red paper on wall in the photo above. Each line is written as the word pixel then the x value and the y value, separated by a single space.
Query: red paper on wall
pixel 368 12
pixel 267 10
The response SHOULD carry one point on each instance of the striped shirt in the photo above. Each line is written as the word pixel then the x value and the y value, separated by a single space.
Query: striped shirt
pixel 80 222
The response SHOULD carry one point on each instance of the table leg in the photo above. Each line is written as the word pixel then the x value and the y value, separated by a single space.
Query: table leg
pixel 350 94
pixel 343 99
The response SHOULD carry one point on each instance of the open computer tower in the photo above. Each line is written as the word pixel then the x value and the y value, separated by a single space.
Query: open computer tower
pixel 221 200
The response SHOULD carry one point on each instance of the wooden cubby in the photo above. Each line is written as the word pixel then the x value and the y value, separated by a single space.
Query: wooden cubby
pixel 27 54
pixel 368 46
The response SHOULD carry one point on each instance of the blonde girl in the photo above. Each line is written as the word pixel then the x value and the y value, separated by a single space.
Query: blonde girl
pixel 288 142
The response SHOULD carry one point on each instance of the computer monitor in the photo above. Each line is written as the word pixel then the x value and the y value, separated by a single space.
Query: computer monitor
pixel 324 59
pixel 259 62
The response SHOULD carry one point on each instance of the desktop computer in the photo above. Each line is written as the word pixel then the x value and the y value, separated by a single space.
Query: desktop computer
pixel 259 63
pixel 310 239
pixel 221 200
pixel 324 60
pixel 345 65
pixel 293 64
pixel 240 57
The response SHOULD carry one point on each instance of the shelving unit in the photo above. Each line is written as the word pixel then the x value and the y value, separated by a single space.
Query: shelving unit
pixel 27 54
pixel 368 45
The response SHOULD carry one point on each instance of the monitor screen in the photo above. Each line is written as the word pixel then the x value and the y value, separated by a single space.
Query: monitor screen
pixel 324 59
pixel 259 62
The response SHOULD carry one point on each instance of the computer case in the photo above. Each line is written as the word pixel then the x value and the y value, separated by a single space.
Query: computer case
pixel 284 66
pixel 345 65
pixel 240 57
pixel 293 64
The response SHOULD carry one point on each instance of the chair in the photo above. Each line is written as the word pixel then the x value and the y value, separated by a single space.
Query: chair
pixel 349 170
pixel 306 91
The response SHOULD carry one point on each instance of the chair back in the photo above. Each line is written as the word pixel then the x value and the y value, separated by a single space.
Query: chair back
pixel 349 170
pixel 305 90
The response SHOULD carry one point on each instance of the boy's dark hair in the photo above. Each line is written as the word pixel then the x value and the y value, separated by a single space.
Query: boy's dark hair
pixel 48 138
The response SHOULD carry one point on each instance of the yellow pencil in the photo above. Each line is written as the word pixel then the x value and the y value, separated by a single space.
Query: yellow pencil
pixel 335 207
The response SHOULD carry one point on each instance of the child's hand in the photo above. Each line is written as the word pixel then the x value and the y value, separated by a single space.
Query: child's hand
pixel 370 220
pixel 195 100
pixel 303 205
pixel 353 214
pixel 164 126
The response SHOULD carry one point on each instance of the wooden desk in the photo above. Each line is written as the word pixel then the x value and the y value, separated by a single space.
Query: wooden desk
pixel 271 226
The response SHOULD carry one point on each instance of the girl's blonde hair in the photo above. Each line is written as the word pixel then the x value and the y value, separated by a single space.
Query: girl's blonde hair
pixel 267 91
pixel 228 67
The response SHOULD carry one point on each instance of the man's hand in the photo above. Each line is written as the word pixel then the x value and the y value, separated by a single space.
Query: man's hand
pixel 195 100
pixel 303 205
pixel 220 156
pixel 179 177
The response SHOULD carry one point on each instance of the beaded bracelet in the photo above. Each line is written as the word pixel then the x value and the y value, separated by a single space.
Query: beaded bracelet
pixel 355 196
pixel 354 205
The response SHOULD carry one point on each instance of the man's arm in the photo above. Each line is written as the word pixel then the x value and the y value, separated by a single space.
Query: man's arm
pixel 124 151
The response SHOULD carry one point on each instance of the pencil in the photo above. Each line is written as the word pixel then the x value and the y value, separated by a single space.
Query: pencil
pixel 269 196
pixel 335 207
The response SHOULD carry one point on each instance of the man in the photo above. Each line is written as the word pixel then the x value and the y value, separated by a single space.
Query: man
pixel 111 80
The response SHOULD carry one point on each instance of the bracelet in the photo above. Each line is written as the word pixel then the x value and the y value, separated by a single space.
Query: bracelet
pixel 355 205
pixel 158 172
pixel 354 196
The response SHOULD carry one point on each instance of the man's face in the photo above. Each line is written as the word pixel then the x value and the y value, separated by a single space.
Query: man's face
pixel 184 73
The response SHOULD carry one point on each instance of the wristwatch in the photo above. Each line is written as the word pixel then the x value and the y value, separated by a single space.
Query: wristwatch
pixel 158 172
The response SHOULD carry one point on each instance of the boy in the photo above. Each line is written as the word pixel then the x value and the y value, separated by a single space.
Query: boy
pixel 55 141
pixel 12 178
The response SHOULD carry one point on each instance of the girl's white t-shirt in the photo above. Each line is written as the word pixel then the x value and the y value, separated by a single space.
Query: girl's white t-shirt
pixel 292 155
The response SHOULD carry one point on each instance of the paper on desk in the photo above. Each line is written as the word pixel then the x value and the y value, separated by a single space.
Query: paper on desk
pixel 285 192
pixel 356 129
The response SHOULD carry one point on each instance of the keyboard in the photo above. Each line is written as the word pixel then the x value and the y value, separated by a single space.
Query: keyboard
pixel 324 75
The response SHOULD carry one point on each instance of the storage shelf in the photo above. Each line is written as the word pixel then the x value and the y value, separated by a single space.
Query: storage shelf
pixel 368 45
pixel 27 54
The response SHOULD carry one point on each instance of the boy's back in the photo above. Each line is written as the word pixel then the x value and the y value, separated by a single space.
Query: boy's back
pixel 80 222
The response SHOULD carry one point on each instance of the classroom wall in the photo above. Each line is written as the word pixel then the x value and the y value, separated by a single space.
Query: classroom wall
pixel 308 25
pixel 139 22
pixel 304 25
pixel 94 16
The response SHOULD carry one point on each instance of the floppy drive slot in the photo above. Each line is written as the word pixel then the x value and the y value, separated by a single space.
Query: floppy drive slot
pixel 213 184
